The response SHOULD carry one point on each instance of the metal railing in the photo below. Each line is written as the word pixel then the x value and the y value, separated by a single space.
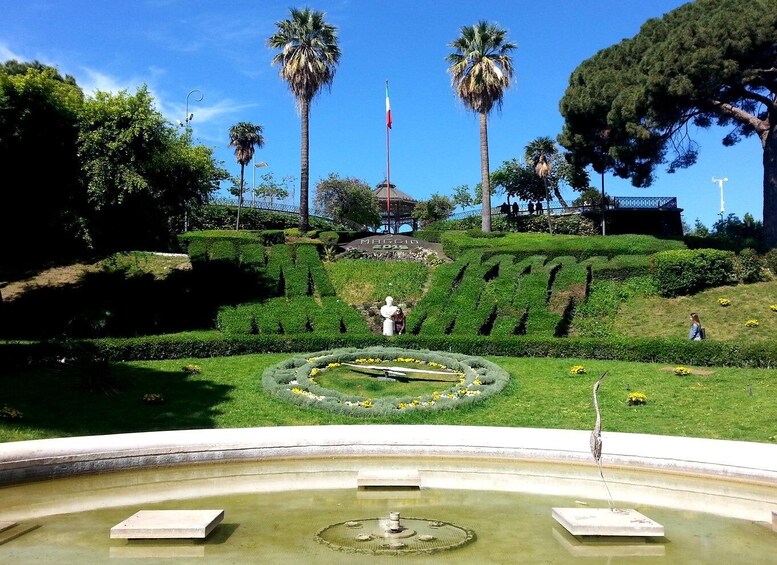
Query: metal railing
pixel 618 202
pixel 281 207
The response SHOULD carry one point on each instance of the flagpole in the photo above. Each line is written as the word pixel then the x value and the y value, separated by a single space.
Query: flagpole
pixel 388 161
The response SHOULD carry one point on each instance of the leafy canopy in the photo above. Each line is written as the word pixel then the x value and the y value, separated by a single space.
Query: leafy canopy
pixel 346 199
pixel 629 107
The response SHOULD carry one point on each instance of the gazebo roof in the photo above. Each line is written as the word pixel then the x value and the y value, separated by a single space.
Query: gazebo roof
pixel 397 195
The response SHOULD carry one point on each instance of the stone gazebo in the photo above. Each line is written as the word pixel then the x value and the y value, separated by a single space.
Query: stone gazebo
pixel 402 206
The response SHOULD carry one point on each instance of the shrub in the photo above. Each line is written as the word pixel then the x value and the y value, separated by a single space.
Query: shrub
pixel 329 238
pixel 522 245
pixel 620 267
pixel 748 266
pixel 770 261
pixel 180 346
pixel 686 271
pixel 272 237
pixel 294 380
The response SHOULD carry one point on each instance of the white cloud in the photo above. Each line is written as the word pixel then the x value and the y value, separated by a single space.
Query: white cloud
pixel 92 81
pixel 6 54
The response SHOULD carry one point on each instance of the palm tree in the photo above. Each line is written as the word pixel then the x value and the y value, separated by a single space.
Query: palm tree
pixel 480 70
pixel 308 58
pixel 245 137
pixel 540 151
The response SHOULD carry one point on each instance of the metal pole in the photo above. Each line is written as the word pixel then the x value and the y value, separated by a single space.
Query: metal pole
pixel 187 129
pixel 188 119
pixel 720 184
pixel 604 207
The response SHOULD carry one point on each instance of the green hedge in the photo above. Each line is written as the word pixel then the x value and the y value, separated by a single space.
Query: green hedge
pixel 177 346
pixel 298 315
pixel 685 271
pixel 523 245
pixel 620 267
pixel 296 380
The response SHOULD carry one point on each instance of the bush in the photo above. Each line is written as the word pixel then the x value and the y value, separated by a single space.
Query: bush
pixel 748 266
pixel 686 271
pixel 770 261
pixel 620 267
pixel 329 238
pixel 294 380
pixel 522 245
pixel 180 346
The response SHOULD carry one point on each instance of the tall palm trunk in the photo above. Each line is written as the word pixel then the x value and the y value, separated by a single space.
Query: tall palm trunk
pixel 240 196
pixel 304 175
pixel 485 180
pixel 770 184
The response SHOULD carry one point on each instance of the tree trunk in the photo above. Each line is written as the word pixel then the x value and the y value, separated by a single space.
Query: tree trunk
pixel 240 195
pixel 770 186
pixel 304 175
pixel 485 180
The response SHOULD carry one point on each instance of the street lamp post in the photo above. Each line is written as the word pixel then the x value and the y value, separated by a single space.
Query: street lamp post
pixel 253 181
pixel 187 129
pixel 720 184
pixel 188 119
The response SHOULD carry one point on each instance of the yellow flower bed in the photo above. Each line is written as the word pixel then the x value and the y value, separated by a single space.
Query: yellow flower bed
pixel 577 370
pixel 637 398
pixel 724 302
pixel 751 324
pixel 681 371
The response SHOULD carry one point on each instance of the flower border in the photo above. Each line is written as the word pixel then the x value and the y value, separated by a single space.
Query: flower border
pixel 291 380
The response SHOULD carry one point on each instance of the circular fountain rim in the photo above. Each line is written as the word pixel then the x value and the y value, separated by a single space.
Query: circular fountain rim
pixel 52 458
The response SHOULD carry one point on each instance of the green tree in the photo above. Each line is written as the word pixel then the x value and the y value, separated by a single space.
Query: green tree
pixel 435 209
pixel 481 69
pixel 629 108
pixel 308 59
pixel 271 188
pixel 518 180
pixel 245 137
pixel 140 173
pixel 346 199
pixel 462 197
pixel 41 191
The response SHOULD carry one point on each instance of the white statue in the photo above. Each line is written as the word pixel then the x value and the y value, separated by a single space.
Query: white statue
pixel 387 311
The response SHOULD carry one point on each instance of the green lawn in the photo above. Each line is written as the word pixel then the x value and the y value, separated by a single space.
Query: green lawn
pixel 728 403
pixel 653 316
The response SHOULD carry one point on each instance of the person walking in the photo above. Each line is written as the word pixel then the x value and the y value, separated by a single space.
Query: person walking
pixel 697 332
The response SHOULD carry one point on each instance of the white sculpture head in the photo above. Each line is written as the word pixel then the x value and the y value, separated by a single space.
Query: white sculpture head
pixel 389 301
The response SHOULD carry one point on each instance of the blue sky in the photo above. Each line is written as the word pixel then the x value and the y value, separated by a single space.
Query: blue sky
pixel 175 46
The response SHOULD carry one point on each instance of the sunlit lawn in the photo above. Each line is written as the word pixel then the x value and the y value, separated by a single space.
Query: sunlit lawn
pixel 729 403
pixel 652 316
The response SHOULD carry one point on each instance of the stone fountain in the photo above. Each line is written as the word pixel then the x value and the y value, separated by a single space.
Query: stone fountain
pixel 394 535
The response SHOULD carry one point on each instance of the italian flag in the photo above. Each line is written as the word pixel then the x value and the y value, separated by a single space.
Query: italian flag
pixel 388 109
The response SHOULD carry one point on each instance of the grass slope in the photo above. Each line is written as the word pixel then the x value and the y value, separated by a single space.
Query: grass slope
pixel 653 316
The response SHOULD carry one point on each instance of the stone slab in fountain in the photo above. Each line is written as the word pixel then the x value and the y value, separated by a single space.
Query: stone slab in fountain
pixel 168 524
pixel 606 522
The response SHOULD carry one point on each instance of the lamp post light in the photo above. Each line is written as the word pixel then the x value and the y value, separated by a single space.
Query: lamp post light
pixel 720 184
pixel 187 129
pixel 253 181
pixel 188 118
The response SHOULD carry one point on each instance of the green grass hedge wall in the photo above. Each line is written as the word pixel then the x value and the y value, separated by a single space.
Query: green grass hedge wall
pixel 669 351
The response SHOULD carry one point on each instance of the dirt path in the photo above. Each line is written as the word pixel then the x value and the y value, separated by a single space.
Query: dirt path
pixel 57 276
